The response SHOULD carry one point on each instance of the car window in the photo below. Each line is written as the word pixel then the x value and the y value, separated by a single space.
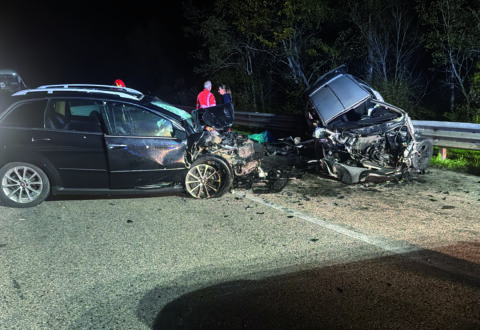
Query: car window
pixel 86 115
pixel 58 114
pixel 84 107
pixel 27 114
pixel 130 120
pixel 74 115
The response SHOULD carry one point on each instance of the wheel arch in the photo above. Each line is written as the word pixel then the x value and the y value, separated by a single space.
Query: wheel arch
pixel 211 155
pixel 38 160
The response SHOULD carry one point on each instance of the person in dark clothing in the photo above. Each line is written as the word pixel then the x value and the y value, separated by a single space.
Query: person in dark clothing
pixel 226 93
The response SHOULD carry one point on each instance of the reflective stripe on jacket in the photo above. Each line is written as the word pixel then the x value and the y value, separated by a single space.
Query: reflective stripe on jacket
pixel 205 99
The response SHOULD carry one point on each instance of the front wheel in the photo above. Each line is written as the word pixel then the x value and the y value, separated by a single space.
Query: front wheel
pixel 422 155
pixel 23 185
pixel 208 177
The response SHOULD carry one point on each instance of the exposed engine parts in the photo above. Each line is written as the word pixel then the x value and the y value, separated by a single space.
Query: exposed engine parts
pixel 355 154
pixel 236 148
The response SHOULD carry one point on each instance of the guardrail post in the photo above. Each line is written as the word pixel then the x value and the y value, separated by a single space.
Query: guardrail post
pixel 444 153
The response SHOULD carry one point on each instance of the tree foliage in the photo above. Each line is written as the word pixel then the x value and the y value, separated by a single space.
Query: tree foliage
pixel 389 31
pixel 453 36
pixel 269 52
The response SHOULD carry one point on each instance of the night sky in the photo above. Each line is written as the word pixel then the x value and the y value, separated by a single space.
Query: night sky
pixel 81 43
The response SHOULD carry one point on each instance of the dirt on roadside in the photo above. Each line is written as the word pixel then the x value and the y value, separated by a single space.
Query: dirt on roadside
pixel 432 210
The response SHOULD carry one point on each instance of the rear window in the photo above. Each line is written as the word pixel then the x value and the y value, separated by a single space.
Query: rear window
pixel 28 114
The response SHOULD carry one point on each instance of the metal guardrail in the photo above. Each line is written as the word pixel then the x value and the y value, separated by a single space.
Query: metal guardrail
pixel 450 134
pixel 267 121
pixel 271 121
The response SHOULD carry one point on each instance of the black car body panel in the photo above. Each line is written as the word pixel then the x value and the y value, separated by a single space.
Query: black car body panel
pixel 217 117
pixel 142 161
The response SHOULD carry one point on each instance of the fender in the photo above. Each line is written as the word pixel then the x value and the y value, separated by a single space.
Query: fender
pixel 9 156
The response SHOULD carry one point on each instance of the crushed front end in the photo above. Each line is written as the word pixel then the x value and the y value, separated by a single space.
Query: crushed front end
pixel 372 149
pixel 242 154
pixel 357 136
pixel 214 137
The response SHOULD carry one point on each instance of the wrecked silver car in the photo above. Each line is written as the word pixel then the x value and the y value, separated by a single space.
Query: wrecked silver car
pixel 357 136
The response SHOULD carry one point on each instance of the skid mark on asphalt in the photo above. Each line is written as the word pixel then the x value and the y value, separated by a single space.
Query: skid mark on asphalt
pixel 396 247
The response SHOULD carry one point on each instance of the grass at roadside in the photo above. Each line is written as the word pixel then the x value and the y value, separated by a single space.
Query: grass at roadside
pixel 467 161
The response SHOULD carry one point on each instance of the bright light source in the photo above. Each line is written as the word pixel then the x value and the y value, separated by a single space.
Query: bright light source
pixel 119 83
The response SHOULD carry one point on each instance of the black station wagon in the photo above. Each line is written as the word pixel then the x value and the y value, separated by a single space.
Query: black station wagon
pixel 95 139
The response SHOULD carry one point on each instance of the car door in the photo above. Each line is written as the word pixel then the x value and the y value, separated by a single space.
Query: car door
pixel 39 131
pixel 143 147
pixel 74 142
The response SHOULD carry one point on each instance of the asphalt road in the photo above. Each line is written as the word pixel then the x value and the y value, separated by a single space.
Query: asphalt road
pixel 304 258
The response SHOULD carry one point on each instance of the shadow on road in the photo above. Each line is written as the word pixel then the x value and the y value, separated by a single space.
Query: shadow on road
pixel 140 194
pixel 423 290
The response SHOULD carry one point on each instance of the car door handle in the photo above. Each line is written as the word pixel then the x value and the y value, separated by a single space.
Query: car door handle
pixel 117 146
pixel 34 139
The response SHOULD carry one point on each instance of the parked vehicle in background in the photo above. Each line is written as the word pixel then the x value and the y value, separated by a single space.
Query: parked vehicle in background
pixel 94 139
pixel 358 137
pixel 10 81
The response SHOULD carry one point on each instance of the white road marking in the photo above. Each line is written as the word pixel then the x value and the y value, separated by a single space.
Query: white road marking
pixel 396 247
pixel 392 246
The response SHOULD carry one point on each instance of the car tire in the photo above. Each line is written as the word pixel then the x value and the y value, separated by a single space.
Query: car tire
pixel 23 185
pixel 423 153
pixel 208 177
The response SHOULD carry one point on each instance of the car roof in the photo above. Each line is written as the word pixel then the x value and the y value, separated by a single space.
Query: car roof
pixel 96 91
pixel 326 77
pixel 85 89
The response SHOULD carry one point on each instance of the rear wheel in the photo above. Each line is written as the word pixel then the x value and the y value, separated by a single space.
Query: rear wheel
pixel 208 177
pixel 23 185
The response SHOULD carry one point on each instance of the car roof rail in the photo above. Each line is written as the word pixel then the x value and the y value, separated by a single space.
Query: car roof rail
pixel 88 88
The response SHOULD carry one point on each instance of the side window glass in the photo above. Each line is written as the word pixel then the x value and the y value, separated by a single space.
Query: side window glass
pixel 75 115
pixel 58 114
pixel 29 114
pixel 126 119
pixel 85 115
pixel 117 119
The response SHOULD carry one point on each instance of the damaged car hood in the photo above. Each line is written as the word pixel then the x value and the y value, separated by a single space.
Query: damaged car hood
pixel 218 117
pixel 336 96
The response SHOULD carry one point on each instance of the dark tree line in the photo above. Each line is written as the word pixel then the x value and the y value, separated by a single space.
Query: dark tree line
pixel 269 52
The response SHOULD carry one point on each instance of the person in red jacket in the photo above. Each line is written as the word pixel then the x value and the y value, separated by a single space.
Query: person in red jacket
pixel 206 98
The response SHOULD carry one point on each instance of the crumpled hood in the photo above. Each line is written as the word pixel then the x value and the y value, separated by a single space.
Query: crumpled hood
pixel 336 96
pixel 218 117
